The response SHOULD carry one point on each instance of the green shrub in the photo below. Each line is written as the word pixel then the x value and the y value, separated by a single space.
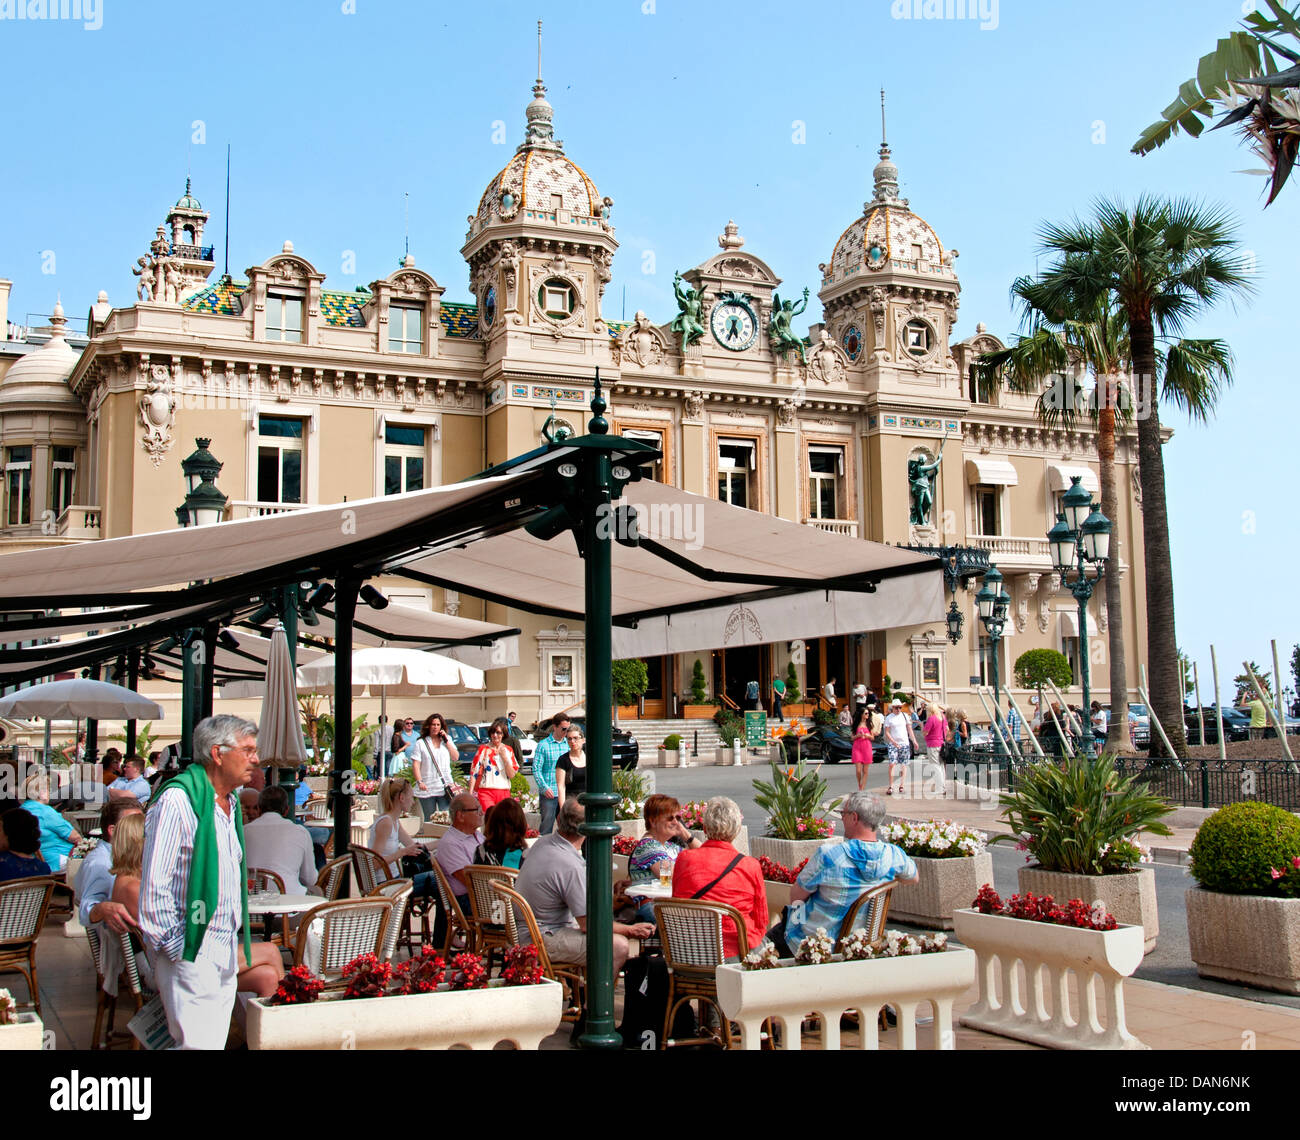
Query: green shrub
pixel 519 786
pixel 793 802
pixel 407 773
pixel 1035 667
pixel 1237 850
pixel 822 717
pixel 1081 816
pixel 631 785
pixel 673 742
pixel 730 726
pixel 792 690
pixel 628 680
pixel 699 687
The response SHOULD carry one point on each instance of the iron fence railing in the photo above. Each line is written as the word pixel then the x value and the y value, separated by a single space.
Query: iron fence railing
pixel 1214 783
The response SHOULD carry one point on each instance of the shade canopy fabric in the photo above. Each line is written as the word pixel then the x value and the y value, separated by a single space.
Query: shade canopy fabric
pixel 80 697
pixel 1067 622
pixel 1060 474
pixel 279 734
pixel 994 472
pixel 403 672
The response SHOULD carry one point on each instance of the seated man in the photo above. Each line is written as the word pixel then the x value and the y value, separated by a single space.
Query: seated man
pixel 273 842
pixel 131 782
pixel 455 852
pixel 839 872
pixel 250 804
pixel 95 879
pixel 554 881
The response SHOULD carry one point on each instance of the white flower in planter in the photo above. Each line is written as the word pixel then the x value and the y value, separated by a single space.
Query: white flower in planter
pixel 817 948
pixel 763 958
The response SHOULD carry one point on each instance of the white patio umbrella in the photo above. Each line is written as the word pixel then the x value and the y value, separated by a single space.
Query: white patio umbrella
pixel 279 736
pixel 79 698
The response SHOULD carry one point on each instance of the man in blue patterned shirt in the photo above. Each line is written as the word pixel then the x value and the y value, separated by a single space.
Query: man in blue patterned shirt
pixel 839 872
pixel 548 752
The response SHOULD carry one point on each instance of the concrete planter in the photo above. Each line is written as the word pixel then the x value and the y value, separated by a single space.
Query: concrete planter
pixel 740 843
pixel 71 869
pixel 790 992
pixel 476 1018
pixel 28 1032
pixel 633 827
pixel 437 830
pixel 1049 954
pixel 533 819
pixel 620 867
pixel 670 757
pixel 788 852
pixel 1131 897
pixel 778 898
pixel 945 885
pixel 318 783
pixel 365 803
pixel 1245 938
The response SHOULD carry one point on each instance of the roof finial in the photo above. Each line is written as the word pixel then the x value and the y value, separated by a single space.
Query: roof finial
pixel 539 51
pixel 883 138
pixel 540 132
pixel 886 173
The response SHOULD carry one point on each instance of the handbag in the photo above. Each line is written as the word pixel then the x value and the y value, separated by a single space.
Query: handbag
pixel 413 865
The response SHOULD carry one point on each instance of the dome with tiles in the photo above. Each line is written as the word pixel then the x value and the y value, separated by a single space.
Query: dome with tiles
pixel 538 172
pixel 41 376
pixel 187 201
pixel 888 231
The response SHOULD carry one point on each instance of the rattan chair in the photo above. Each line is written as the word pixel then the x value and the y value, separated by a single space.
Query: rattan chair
pixel 876 902
pixel 104 1003
pixel 131 976
pixel 334 933
pixel 457 923
pixel 372 868
pixel 397 891
pixel 24 904
pixel 318 809
pixel 487 909
pixel 572 975
pixel 333 877
pixel 691 933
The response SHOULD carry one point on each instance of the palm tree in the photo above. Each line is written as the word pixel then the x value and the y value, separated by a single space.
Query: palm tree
pixel 1055 345
pixel 1162 262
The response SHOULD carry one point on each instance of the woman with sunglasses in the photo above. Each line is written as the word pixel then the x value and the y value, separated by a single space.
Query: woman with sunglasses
pixel 571 770
pixel 494 765
pixel 431 760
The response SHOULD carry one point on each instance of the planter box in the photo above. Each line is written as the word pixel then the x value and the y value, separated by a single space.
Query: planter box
pixel 1049 953
pixel 475 1018
pixel 945 885
pixel 365 803
pixel 533 819
pixel 670 757
pixel 778 898
pixel 633 827
pixel 71 870
pixel 620 867
pixel 438 830
pixel 1131 898
pixel 791 992
pixel 740 843
pixel 1245 938
pixel 318 783
pixel 788 852
pixel 698 712
pixel 28 1032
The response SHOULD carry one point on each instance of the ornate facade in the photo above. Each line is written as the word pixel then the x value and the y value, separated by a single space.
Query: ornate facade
pixel 872 425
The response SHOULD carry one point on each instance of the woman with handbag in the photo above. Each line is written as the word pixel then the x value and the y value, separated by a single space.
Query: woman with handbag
pixel 431 757
pixel 494 766
pixel 389 838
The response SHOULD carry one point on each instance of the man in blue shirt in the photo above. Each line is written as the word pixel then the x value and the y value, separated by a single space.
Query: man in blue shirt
pixel 838 873
pixel 95 879
pixel 131 782
pixel 545 756
pixel 1012 722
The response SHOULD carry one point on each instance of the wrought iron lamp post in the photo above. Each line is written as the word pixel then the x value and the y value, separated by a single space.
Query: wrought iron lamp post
pixel 1081 537
pixel 993 603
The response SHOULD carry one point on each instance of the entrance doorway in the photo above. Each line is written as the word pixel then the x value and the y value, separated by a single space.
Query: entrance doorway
pixel 734 668
pixel 656 704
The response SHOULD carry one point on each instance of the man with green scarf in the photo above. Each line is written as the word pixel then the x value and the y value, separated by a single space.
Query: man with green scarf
pixel 193 893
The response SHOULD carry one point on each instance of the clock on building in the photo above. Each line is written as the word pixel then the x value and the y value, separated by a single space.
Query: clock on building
pixel 733 322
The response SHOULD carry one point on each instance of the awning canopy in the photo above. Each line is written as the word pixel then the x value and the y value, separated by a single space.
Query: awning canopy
pixel 986 469
pixel 1059 476
pixel 1067 622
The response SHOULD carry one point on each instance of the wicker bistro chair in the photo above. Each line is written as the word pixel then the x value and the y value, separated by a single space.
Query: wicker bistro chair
pixel 371 867
pixel 24 904
pixel 691 933
pixel 334 933
pixel 333 877
pixel 398 891
pixel 131 977
pixel 318 810
pixel 457 923
pixel 487 910
pixel 876 903
pixel 572 975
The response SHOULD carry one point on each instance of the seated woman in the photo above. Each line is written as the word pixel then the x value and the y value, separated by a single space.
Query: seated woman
pixel 20 846
pixel 665 838
pixel 717 872
pixel 503 836
pixel 58 836
pixel 390 839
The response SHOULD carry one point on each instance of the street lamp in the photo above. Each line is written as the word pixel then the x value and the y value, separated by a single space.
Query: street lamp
pixel 204 504
pixel 1081 537
pixel 993 603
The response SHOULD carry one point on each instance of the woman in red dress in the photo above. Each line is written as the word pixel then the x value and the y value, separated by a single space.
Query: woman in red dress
pixel 494 765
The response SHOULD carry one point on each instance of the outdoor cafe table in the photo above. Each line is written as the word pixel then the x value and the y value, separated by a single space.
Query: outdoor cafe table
pixel 648 889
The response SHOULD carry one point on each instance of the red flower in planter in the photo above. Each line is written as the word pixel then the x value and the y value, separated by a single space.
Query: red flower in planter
pixel 297 986
pixel 421 975
pixel 988 901
pixel 367 977
pixel 522 967
pixel 468 972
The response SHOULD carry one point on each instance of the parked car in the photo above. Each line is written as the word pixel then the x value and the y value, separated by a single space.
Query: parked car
pixel 1139 724
pixel 1236 725
pixel 828 743
pixel 627 752
pixel 523 744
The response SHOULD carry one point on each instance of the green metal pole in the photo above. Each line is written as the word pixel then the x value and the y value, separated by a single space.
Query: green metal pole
pixel 599 799
pixel 345 610
pixel 132 683
pixel 191 671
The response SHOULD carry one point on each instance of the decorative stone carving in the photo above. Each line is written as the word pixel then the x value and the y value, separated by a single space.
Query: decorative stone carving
pixel 785 413
pixel 157 411
pixel 730 237
pixel 827 362
pixel 1103 618
pixel 693 404
pixel 1136 480
pixel 877 307
pixel 1047 589
pixel 641 343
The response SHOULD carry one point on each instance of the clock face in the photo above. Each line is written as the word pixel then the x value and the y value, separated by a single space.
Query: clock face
pixel 734 325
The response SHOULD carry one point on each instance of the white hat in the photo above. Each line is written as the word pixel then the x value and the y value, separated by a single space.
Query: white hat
pixel 894 702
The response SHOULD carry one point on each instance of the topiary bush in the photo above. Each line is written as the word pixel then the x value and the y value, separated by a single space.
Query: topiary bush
pixel 1248 849
pixel 673 742
pixel 699 688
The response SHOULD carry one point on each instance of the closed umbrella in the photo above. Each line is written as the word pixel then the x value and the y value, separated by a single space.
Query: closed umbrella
pixel 279 737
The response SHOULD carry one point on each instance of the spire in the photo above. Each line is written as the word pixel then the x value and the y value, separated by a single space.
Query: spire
pixel 885 173
pixel 57 319
pixel 540 133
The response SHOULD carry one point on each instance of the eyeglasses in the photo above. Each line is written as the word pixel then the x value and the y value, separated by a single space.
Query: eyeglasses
pixel 496 732
pixel 247 749
pixel 469 810
pixel 575 737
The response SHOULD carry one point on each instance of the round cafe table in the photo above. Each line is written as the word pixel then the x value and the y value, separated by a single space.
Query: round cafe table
pixel 648 889
pixel 272 902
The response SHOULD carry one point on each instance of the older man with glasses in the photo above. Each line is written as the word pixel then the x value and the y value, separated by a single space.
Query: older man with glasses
pixel 455 852
pixel 193 885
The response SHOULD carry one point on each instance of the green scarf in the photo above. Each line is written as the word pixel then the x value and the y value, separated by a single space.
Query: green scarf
pixel 204 885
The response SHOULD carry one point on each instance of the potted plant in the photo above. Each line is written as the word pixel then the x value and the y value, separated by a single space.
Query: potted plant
pixel 521 790
pixel 670 751
pixel 730 729
pixel 629 681
pixel 1078 821
pixel 19 1030
pixel 902 970
pixel 1046 936
pixel 953 862
pixel 792 705
pixel 423 1003
pixel 1243 920
pixel 632 789
pixel 700 707
pixel 796 816
pixel 76 857
pixel 623 846
pixel 777 878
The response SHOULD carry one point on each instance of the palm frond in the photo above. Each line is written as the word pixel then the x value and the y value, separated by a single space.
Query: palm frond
pixel 1195 371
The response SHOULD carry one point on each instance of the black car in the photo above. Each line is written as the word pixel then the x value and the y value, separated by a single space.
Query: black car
pixel 467 742
pixel 1236 725
pixel 627 752
pixel 827 743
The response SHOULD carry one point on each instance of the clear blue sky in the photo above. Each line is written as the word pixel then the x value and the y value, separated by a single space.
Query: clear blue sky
pixel 686 117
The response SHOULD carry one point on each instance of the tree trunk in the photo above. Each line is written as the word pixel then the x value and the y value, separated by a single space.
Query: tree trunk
pixel 1162 642
pixel 1118 738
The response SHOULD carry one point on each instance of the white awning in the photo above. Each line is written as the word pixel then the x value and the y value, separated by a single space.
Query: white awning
pixel 1059 476
pixel 1067 621
pixel 986 469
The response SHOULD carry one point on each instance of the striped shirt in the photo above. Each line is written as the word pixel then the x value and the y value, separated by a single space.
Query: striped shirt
pixel 548 751
pixel 1013 723
pixel 169 827
pixel 836 875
